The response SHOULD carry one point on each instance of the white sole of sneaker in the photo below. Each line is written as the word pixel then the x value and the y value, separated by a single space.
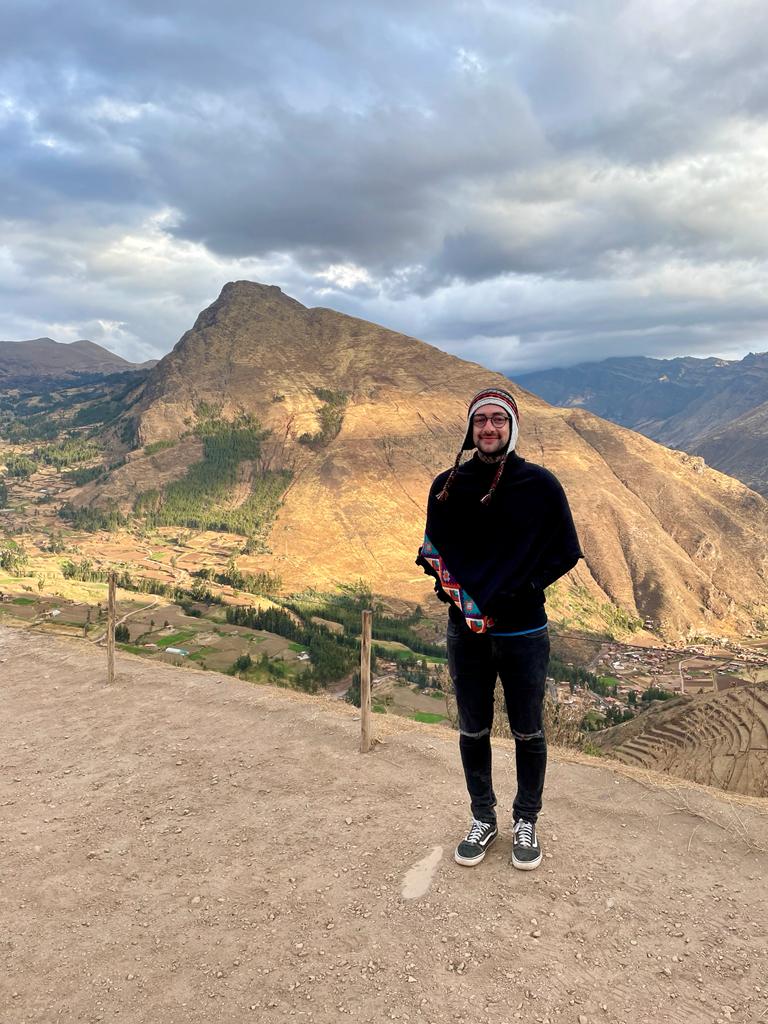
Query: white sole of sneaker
pixel 469 862
pixel 526 865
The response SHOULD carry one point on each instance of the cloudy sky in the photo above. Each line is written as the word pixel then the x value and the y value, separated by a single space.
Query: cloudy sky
pixel 527 184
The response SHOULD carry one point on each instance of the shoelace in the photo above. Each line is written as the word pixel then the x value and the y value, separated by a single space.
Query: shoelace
pixel 524 833
pixel 478 831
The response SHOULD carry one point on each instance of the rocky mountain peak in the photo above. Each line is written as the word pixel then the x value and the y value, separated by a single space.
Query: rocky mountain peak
pixel 363 418
pixel 254 342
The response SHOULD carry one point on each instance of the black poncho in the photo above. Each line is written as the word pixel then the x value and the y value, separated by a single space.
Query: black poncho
pixel 505 553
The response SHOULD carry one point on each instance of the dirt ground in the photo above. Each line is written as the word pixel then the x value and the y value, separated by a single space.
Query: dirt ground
pixel 186 847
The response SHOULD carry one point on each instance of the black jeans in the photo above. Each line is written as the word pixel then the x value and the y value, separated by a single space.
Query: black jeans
pixel 474 661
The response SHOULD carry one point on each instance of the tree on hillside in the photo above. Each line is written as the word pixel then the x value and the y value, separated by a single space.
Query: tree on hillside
pixel 352 696
pixel 656 693
pixel 241 664
pixel 13 558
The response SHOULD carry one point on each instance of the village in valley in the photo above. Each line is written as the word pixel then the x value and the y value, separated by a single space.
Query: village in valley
pixel 709 665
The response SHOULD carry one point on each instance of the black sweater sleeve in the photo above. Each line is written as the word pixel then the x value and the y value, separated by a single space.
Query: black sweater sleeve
pixel 564 550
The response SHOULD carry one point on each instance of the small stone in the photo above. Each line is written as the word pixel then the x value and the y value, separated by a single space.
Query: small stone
pixel 536 934
pixel 667 971
pixel 347 821
pixel 196 901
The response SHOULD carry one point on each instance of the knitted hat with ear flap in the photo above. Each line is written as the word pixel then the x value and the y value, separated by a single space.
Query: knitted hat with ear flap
pixel 488 396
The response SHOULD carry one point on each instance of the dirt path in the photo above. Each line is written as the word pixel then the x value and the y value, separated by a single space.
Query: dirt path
pixel 186 848
pixel 243 486
pixel 124 618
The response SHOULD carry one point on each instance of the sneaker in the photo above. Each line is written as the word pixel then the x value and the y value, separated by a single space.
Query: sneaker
pixel 472 848
pixel 526 852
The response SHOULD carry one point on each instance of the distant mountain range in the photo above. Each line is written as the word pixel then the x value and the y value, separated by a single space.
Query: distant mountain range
pixel 364 417
pixel 43 357
pixel 715 408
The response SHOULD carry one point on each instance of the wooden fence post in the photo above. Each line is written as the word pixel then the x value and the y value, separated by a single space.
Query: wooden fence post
pixel 365 683
pixel 111 630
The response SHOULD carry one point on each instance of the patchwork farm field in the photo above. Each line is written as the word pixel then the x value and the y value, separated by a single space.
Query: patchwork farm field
pixel 158 630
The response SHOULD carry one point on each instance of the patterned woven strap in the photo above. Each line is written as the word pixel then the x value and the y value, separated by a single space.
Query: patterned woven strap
pixel 477 622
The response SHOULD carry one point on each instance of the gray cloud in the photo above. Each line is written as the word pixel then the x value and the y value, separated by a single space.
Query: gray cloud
pixel 538 183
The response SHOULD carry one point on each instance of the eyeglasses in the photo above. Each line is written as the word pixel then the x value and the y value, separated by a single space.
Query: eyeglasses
pixel 498 419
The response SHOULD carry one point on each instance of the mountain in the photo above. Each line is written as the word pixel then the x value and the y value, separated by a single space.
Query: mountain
pixel 665 537
pixel 43 357
pixel 708 407
pixel 740 448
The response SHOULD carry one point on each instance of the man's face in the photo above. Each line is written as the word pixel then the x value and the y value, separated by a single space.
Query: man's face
pixel 489 438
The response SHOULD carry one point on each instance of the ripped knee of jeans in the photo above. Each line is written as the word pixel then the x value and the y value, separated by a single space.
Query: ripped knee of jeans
pixel 474 735
pixel 523 736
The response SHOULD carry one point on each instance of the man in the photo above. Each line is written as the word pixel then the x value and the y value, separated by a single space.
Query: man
pixel 499 530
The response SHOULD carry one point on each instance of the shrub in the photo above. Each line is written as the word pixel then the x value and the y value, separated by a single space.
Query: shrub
pixel 241 664
pixel 158 446
pixel 20 466
pixel 330 415
pixel 656 693
pixel 13 559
